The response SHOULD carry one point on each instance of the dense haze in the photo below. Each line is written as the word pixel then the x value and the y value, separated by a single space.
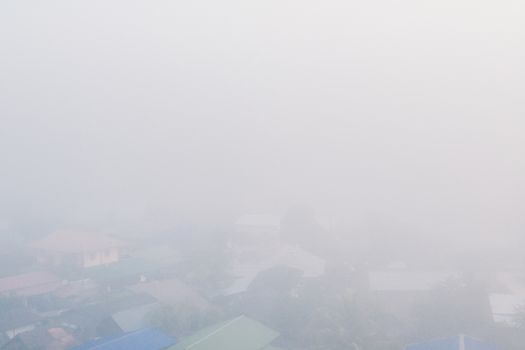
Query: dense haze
pixel 152 114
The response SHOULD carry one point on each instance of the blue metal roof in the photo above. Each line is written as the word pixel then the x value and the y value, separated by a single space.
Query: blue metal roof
pixel 438 344
pixel 143 339
pixel 453 343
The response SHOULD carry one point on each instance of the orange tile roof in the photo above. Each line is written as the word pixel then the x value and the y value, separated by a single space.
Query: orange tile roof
pixel 31 283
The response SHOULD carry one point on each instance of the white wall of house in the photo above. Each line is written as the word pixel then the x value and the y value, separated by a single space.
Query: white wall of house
pixel 14 332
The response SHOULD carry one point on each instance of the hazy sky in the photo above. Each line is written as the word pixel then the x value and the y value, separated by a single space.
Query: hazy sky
pixel 156 112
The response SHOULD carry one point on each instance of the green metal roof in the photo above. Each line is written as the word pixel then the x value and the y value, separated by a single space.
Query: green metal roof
pixel 240 333
pixel 271 347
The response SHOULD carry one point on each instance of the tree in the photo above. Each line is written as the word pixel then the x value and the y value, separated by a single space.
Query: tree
pixel 519 317
pixel 457 306
pixel 207 269
pixel 181 320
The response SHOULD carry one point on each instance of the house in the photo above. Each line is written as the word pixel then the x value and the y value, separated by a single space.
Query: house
pixel 143 339
pixel 508 295
pixel 42 338
pixel 460 342
pixel 96 319
pixel 240 333
pixel 256 247
pixel 78 249
pixel 294 257
pixel 29 284
pixel 504 308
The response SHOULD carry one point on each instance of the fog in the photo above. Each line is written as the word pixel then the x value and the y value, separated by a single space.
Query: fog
pixel 273 175
pixel 118 114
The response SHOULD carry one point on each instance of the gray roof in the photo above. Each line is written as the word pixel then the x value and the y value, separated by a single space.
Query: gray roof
pixel 135 318
pixel 89 317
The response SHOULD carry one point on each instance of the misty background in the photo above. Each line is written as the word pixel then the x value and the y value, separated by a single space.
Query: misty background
pixel 147 116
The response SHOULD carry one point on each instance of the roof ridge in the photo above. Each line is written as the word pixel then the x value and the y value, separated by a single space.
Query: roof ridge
pixel 215 331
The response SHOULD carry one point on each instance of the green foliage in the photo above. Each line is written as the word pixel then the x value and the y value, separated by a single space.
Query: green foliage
pixel 10 302
pixel 519 317
pixel 181 320
pixel 458 306
pixel 314 317
pixel 207 269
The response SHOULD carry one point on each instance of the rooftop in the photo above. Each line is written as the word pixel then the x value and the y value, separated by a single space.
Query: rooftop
pixel 31 283
pixel 240 333
pixel 504 307
pixel 134 318
pixel 149 338
pixel 294 257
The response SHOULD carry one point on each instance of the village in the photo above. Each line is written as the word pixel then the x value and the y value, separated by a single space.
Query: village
pixel 267 284
pixel 262 175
